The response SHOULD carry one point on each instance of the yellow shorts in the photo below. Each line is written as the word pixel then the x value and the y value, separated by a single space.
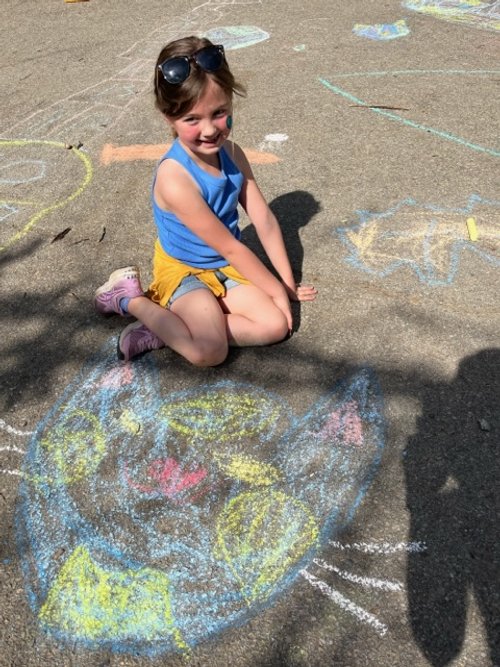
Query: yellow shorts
pixel 168 273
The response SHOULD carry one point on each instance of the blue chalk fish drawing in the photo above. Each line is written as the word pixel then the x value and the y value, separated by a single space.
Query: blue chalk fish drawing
pixel 148 523
pixel 425 238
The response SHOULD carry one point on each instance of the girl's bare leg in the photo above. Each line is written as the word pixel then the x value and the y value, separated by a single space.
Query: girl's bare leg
pixel 194 327
pixel 252 318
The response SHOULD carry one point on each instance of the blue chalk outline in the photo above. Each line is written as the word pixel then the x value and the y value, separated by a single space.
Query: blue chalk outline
pixel 48 518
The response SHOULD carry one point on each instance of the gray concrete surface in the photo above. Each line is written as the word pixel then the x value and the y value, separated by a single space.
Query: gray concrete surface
pixel 367 443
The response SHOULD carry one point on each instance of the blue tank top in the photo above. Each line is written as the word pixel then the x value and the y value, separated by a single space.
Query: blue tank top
pixel 221 194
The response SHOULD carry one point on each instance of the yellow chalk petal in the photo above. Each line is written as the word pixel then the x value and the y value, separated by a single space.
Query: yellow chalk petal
pixel 248 470
pixel 219 416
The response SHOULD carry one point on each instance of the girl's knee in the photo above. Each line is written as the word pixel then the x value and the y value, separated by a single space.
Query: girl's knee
pixel 276 329
pixel 207 354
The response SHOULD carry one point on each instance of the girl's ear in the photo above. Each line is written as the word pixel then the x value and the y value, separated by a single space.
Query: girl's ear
pixel 170 123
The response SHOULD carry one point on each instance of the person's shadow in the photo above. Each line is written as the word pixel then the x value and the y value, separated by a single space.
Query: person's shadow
pixel 452 468
pixel 293 211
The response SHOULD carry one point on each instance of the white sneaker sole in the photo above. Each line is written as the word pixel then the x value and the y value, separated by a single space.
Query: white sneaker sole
pixel 115 277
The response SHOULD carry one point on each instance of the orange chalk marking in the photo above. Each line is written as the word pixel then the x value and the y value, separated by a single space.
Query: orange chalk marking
pixel 111 153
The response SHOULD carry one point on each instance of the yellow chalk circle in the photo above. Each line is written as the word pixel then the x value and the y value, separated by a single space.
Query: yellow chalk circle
pixel 472 229
pixel 43 209
pixel 261 535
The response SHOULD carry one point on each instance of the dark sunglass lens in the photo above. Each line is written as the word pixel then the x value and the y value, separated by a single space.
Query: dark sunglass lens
pixel 210 58
pixel 175 70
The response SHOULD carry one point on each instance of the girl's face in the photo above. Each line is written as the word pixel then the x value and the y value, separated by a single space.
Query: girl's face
pixel 204 128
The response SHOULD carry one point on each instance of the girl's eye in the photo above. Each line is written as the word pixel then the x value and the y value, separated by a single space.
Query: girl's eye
pixel 190 120
pixel 219 113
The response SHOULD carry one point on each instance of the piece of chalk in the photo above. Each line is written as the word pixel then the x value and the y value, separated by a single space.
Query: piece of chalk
pixel 472 229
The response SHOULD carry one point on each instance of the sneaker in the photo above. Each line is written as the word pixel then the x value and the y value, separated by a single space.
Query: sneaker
pixel 136 339
pixel 121 283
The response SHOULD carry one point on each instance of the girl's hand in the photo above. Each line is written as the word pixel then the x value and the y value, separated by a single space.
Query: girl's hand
pixel 302 293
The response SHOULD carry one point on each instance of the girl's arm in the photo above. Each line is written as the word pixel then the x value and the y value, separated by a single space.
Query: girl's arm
pixel 176 191
pixel 268 230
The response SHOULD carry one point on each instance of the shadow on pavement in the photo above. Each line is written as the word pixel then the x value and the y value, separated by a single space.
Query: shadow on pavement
pixel 452 470
pixel 47 327
pixel 293 211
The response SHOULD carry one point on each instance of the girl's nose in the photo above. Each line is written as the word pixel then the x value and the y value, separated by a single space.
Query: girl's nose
pixel 208 128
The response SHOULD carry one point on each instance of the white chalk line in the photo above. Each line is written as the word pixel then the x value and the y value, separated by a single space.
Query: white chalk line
pixel 12 430
pixel 13 449
pixel 366 582
pixel 16 473
pixel 346 604
pixel 381 547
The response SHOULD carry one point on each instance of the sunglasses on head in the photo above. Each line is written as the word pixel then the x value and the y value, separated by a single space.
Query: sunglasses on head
pixel 177 69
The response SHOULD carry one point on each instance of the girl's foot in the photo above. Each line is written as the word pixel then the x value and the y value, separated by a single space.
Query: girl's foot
pixel 122 283
pixel 137 339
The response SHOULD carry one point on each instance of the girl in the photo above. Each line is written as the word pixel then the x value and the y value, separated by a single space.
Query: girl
pixel 209 290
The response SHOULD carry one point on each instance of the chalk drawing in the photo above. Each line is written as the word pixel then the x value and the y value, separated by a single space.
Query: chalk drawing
pixel 147 523
pixel 380 547
pixel 273 141
pixel 12 449
pixel 111 153
pixel 23 196
pixel 346 604
pixel 34 171
pixel 484 15
pixel 382 32
pixel 407 122
pixel 236 36
pixel 10 429
pixel 342 601
pixel 425 238
pixel 15 473
pixel 366 582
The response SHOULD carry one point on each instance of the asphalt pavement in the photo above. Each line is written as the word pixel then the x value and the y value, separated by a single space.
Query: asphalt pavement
pixel 331 500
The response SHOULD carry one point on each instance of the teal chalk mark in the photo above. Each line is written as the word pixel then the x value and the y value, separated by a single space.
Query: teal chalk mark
pixel 410 123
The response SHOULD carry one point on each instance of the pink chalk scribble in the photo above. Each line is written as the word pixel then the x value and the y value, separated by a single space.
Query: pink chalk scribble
pixel 117 377
pixel 345 424
pixel 170 480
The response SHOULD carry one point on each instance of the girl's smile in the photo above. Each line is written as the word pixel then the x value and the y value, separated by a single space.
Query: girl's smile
pixel 204 129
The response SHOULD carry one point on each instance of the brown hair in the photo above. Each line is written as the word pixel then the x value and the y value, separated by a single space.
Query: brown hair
pixel 175 100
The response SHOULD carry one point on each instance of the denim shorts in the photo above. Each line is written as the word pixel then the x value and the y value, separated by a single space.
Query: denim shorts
pixel 191 283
